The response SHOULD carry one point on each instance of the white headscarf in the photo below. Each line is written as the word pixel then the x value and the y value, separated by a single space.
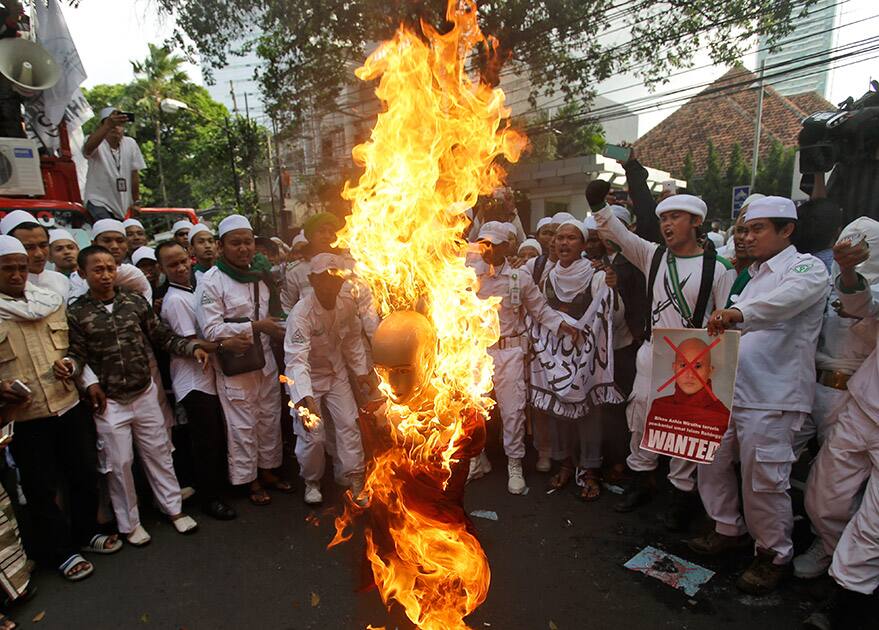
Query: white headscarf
pixel 569 282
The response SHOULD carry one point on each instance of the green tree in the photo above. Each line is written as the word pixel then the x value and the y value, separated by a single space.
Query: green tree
pixel 689 170
pixel 576 135
pixel 775 171
pixel 310 45
pixel 737 171
pixel 712 184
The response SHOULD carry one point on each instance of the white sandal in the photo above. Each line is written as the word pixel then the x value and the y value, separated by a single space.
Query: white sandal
pixel 68 565
pixel 139 537
pixel 98 545
pixel 184 524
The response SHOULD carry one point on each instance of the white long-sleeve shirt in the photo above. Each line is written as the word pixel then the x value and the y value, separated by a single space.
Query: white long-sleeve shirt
pixel 782 307
pixel 864 384
pixel 52 281
pixel 218 297
pixel 845 342
pixel 320 343
pixel 531 300
pixel 178 312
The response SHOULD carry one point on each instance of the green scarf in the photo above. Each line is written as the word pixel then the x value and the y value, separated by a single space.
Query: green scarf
pixel 260 269
pixel 741 281
pixel 200 267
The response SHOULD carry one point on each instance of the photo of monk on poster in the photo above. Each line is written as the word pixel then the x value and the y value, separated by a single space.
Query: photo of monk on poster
pixel 693 380
pixel 692 398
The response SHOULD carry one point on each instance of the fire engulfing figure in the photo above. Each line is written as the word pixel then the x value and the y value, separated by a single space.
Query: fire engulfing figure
pixel 432 151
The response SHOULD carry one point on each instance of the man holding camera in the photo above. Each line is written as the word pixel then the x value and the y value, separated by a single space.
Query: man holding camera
pixel 53 441
pixel 112 186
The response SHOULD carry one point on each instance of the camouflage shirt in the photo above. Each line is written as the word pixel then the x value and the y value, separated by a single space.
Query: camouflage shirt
pixel 114 342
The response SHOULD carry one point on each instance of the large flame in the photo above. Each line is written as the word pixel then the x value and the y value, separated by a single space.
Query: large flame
pixel 431 153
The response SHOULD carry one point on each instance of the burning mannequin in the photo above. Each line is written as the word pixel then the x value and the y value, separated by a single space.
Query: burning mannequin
pixel 404 352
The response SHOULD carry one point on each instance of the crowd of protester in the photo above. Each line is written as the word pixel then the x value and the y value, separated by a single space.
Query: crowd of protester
pixel 180 350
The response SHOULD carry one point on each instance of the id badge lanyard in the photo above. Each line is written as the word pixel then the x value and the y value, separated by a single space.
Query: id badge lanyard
pixel 121 182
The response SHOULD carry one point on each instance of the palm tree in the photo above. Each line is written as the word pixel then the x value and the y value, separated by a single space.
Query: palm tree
pixel 157 77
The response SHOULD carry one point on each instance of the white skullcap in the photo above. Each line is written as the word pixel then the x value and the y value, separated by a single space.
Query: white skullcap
pixel 561 217
pixel 530 242
pixel 496 232
pixel 105 113
pixel 16 218
pixel 622 213
pixel 107 225
pixel 198 228
pixel 299 238
pixel 685 203
pixel 143 253
pixel 715 238
pixel 544 222
pixel 579 225
pixel 233 222
pixel 11 245
pixel 771 208
pixel 60 235
pixel 751 199
pixel 589 223
pixel 180 225
pixel 127 223
pixel 326 262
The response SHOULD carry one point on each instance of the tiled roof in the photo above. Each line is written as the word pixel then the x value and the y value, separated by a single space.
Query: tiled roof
pixel 724 113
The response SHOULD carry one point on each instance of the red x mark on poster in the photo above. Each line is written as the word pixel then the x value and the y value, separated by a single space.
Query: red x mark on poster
pixel 690 366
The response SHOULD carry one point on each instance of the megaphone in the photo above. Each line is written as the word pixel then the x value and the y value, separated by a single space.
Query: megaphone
pixel 27 66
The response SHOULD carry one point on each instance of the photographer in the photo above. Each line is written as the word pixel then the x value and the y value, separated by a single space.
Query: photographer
pixel 112 187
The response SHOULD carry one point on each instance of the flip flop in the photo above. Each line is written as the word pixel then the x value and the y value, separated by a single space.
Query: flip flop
pixel 260 497
pixel 98 545
pixel 73 561
pixel 280 485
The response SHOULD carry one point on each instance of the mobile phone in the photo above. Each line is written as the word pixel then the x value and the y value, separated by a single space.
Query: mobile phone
pixel 621 196
pixel 20 388
pixel 854 240
pixel 6 433
pixel 129 116
pixel 616 152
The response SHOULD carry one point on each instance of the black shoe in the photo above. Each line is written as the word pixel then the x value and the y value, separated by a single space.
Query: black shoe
pixel 683 509
pixel 843 610
pixel 219 510
pixel 639 492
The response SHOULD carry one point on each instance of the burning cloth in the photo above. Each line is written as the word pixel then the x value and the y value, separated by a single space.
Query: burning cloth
pixel 567 377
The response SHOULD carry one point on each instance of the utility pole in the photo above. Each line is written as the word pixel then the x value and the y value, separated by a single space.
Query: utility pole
pixel 234 100
pixel 281 192
pixel 757 124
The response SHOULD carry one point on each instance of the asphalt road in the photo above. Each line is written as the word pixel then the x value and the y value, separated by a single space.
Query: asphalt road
pixel 555 562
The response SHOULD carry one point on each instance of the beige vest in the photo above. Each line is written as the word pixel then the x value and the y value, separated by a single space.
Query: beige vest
pixel 28 350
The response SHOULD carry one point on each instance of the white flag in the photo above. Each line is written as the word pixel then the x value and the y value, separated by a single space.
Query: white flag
pixel 53 35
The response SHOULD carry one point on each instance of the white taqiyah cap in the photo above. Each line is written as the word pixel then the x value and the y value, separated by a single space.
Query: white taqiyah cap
pixel 11 245
pixel 198 228
pixel 105 113
pixel 143 253
pixel 772 208
pixel 233 222
pixel 16 218
pixel 622 213
pixel 589 223
pixel 751 199
pixel 715 238
pixel 107 225
pixel 60 235
pixel 579 225
pixel 560 217
pixel 531 242
pixel 685 203
pixel 127 223
pixel 180 225
pixel 496 232
pixel 299 239
pixel 326 262
pixel 543 222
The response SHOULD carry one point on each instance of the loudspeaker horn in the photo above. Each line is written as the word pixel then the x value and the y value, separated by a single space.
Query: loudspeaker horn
pixel 27 66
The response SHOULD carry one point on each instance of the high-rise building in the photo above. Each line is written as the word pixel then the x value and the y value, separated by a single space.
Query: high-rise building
pixel 811 41
pixel 237 78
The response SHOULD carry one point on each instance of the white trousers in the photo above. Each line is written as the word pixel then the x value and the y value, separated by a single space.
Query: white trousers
pixel 681 473
pixel 848 459
pixel 252 405
pixel 161 397
pixel 512 395
pixel 311 446
pixel 825 408
pixel 763 442
pixel 120 426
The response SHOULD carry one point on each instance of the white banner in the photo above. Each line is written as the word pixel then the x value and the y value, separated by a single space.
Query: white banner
pixel 53 35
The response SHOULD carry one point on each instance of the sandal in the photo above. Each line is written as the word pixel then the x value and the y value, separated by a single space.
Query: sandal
pixel 562 477
pixel 260 497
pixel 272 482
pixel 98 544
pixel 76 560
pixel 589 481
pixel 7 623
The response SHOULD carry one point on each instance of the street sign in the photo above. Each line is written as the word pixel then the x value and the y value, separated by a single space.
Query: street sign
pixel 739 194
